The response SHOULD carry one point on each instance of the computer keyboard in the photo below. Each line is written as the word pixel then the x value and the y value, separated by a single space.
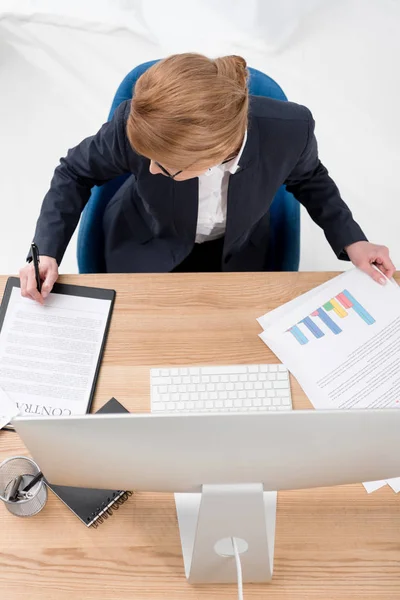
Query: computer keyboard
pixel 232 388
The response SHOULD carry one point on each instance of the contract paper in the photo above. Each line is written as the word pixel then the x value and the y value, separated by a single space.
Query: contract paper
pixel 49 354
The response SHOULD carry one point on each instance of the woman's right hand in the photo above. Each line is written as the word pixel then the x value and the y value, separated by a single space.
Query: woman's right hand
pixel 48 270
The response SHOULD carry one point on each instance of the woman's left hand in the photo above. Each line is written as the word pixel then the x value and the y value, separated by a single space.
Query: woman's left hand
pixel 364 254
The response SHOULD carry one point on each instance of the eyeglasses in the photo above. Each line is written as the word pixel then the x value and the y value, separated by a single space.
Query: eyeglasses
pixel 172 176
pixel 167 172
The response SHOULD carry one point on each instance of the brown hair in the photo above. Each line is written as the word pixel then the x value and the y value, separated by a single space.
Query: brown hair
pixel 190 110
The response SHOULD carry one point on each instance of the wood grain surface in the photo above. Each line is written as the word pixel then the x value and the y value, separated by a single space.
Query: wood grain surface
pixel 331 544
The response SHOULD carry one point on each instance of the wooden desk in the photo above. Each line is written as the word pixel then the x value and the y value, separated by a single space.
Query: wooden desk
pixel 331 543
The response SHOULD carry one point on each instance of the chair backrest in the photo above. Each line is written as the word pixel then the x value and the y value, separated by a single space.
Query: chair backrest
pixel 284 252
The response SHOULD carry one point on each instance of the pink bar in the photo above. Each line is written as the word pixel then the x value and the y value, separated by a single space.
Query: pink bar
pixel 344 301
pixel 314 314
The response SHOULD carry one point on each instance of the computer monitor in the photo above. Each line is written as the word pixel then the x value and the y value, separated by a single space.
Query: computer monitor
pixel 225 469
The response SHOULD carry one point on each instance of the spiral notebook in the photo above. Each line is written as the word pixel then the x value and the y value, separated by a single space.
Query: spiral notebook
pixel 93 506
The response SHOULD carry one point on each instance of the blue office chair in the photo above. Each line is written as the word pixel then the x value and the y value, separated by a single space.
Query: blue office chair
pixel 284 250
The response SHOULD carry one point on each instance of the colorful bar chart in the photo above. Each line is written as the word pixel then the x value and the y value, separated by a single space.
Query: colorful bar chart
pixel 319 321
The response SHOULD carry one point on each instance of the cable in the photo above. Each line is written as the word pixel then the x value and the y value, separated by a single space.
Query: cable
pixel 238 569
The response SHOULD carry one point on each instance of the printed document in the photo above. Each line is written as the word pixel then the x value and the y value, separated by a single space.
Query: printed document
pixel 49 354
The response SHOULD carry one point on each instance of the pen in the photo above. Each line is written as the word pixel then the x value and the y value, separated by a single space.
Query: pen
pixel 35 258
pixel 34 481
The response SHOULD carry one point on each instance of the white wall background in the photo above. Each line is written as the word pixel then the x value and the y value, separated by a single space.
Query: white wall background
pixel 61 61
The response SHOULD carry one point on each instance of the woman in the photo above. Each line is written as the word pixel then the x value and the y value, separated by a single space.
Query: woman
pixel 205 161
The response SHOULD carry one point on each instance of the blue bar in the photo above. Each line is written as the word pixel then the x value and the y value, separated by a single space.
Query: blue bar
pixel 298 335
pixel 313 327
pixel 325 318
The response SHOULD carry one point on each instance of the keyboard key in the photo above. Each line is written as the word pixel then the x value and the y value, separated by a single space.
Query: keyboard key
pixel 271 393
pixel 180 405
pixel 186 379
pixel 251 394
pixel 177 380
pixel 267 385
pixel 159 406
pixel 161 380
pixel 267 402
pixel 203 396
pixel 262 377
pixel 261 394
pixel 194 396
pixel 163 389
pixel 182 388
pixel 184 397
pixel 273 368
pixel 257 402
pixel 280 384
pixel 272 376
pixel 183 371
pixel 242 394
pixel 190 405
pixel 264 369
pixel 223 395
pixel 155 372
pixel 258 385
pixel 286 401
pixel 247 402
pixel 239 386
pixel 232 395
pixel 210 387
pixel 171 405
pixel 219 404
pixel 276 402
pixel 191 388
pixel 194 371
pixel 209 404
pixel 224 378
pixel 175 397
pixel 237 403
pixel 174 372
pixel 283 393
pixel 205 379
pixel 230 386
pixel 242 377
pixel 253 377
pixel 173 388
pixel 220 387
pixel 228 403
pixel 213 395
pixel 282 376
pixel 201 387
pixel 248 386
pixel 282 368
pixel 233 378
pixel 253 368
pixel 165 372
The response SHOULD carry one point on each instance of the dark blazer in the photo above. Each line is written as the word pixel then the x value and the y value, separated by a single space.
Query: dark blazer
pixel 150 224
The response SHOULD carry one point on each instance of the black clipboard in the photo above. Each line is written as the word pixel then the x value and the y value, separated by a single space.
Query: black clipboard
pixel 68 290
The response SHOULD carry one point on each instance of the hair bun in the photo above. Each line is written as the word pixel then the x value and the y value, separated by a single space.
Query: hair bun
pixel 234 67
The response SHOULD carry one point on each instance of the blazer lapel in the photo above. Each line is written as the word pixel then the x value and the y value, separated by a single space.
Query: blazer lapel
pixel 243 205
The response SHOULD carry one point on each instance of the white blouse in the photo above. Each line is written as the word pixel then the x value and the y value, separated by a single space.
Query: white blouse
pixel 213 197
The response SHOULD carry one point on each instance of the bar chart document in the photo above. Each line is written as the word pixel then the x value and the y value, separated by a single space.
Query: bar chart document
pixel 342 342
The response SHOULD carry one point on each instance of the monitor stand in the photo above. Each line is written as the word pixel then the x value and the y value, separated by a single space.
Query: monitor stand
pixel 209 520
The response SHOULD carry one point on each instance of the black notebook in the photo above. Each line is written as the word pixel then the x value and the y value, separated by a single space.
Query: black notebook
pixel 92 506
